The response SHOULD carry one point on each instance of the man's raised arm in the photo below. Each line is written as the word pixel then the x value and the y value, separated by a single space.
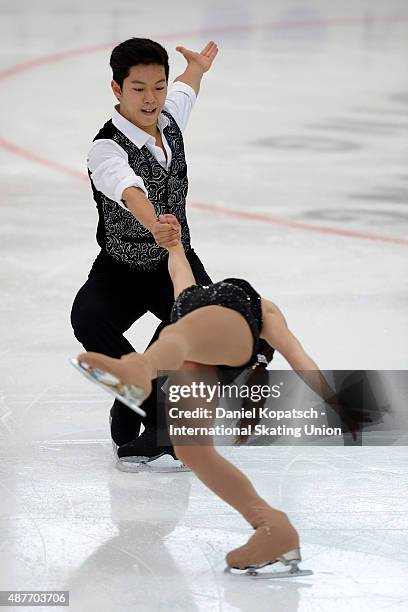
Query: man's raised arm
pixel 197 64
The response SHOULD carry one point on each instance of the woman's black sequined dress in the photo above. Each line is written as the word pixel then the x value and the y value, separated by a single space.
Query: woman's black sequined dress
pixel 234 293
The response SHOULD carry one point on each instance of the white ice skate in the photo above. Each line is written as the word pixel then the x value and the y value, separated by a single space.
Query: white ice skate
pixel 128 394
pixel 291 559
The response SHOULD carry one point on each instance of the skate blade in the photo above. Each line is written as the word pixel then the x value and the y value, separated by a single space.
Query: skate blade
pixel 137 467
pixel 129 395
pixel 254 572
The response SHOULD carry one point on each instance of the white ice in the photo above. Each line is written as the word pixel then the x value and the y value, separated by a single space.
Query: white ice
pixel 303 122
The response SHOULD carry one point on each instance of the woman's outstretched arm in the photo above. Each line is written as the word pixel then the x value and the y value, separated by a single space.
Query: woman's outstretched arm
pixel 275 331
pixel 180 270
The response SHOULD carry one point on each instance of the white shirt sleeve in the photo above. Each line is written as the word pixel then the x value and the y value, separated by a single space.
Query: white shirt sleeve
pixel 110 171
pixel 179 102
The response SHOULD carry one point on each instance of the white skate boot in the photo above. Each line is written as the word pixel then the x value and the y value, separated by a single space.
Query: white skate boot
pixel 128 394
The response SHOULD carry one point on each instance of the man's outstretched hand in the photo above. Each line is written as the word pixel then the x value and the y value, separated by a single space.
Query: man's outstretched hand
pixel 204 59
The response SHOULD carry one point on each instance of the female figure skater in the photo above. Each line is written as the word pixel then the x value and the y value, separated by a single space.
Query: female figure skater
pixel 213 325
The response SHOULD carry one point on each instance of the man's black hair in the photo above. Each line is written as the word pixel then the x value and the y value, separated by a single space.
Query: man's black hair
pixel 137 51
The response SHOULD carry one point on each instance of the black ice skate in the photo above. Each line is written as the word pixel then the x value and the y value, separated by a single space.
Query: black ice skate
pixel 145 455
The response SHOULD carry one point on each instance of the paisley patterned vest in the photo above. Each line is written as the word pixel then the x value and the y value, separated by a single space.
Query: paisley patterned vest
pixel 119 233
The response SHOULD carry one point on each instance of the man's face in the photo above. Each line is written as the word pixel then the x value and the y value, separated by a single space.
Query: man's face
pixel 143 94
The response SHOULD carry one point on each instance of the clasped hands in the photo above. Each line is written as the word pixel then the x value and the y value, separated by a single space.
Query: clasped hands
pixel 166 231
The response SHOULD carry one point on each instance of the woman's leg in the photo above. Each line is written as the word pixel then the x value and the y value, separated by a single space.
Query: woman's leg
pixel 212 335
pixel 274 535
pixel 223 478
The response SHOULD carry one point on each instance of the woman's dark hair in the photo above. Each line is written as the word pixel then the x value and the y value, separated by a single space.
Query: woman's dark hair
pixel 257 376
pixel 137 51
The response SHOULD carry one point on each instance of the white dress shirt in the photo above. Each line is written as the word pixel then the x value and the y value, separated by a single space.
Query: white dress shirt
pixel 108 162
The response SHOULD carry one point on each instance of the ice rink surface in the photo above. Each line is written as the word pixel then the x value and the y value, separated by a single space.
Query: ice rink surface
pixel 297 152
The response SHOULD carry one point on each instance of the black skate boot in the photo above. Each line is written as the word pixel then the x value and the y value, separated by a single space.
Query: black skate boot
pixel 145 455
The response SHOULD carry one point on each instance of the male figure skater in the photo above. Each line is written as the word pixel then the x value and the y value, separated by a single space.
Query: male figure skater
pixel 138 174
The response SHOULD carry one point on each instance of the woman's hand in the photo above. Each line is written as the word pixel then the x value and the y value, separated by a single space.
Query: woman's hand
pixel 354 418
pixel 165 234
pixel 171 221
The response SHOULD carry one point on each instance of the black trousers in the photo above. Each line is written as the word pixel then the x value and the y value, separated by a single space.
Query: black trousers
pixel 111 300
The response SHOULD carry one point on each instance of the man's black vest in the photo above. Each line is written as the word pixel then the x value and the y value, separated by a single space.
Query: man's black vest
pixel 119 233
